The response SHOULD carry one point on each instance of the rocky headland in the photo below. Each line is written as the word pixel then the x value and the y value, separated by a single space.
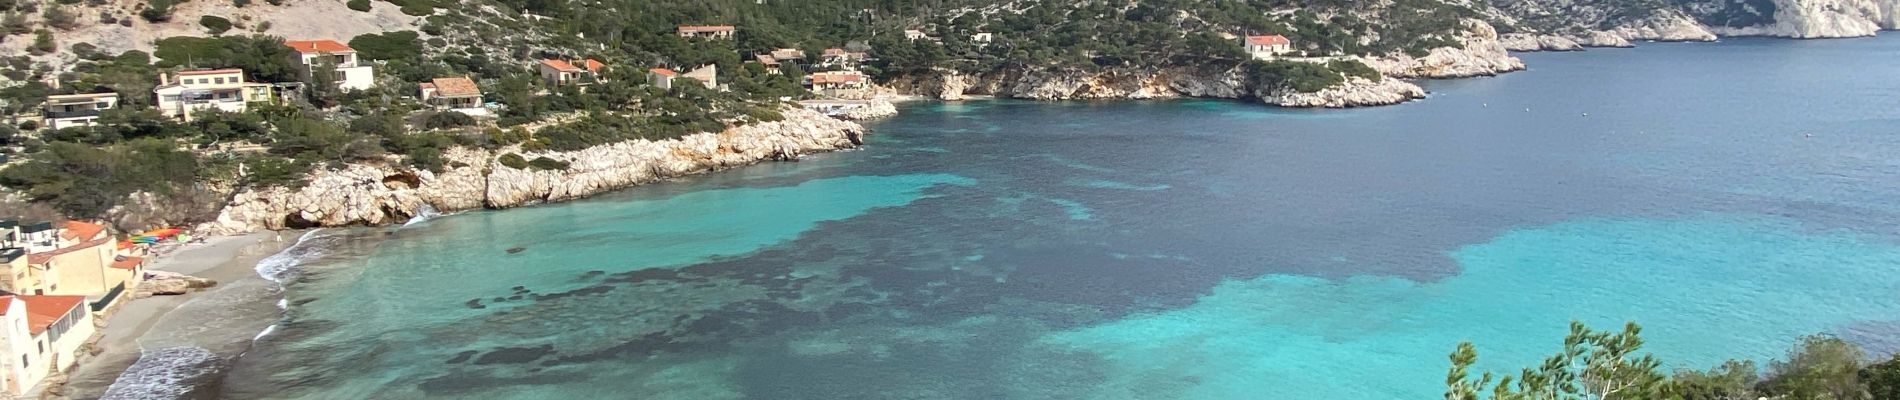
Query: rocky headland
pixel 1569 25
pixel 383 193
pixel 1481 53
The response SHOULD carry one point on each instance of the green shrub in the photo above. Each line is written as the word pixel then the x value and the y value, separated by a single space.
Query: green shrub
pixel 157 11
pixel 215 24
pixel 1354 68
pixel 240 3
pixel 547 164
pixel 386 46
pixel 418 8
pixel 358 5
pixel 447 119
pixel 512 160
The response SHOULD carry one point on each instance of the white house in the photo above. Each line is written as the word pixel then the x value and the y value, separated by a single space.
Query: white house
pixel 839 84
pixel 457 94
pixel 706 31
pixel 708 75
pixel 70 110
pixel 350 74
pixel 40 335
pixel 561 73
pixel 982 38
pixel 191 92
pixel 662 77
pixel 1268 46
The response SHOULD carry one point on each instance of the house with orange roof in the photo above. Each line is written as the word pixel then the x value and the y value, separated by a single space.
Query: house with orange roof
pixel 80 259
pixel 841 58
pixel 706 31
pixel 562 73
pixel 350 73
pixel 838 84
pixel 662 77
pixel 40 336
pixel 1267 46
pixel 459 94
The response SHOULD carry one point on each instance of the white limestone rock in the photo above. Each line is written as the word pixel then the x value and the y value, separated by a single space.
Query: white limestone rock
pixel 1356 92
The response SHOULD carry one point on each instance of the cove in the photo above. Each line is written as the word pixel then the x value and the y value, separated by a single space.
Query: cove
pixel 1178 249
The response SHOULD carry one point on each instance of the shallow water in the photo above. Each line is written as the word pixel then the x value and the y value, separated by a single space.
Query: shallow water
pixel 1175 249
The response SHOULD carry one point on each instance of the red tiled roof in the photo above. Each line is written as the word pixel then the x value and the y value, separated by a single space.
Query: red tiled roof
pixel 128 263
pixel 836 77
pixel 559 65
pixel 705 28
pixel 832 52
pixel 76 230
pixel 664 71
pixel 1268 40
pixel 43 257
pixel 459 86
pixel 594 65
pixel 318 46
pixel 766 59
pixel 43 311
pixel 210 71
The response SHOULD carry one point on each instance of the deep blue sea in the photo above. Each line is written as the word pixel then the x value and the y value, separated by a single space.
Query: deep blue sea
pixel 1730 197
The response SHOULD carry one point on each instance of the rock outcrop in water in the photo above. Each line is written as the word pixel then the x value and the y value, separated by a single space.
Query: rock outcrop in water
pixel 375 194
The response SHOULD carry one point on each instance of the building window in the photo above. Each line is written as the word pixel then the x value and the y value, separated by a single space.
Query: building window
pixel 102 105
pixel 23 361
pixel 42 347
pixel 219 80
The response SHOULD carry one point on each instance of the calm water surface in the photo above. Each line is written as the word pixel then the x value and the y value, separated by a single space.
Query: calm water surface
pixel 1162 250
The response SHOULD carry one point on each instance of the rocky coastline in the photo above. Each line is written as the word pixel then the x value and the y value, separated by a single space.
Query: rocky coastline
pixel 383 193
pixel 1481 53
pixel 1703 21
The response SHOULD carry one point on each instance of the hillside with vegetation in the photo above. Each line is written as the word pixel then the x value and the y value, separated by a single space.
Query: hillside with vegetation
pixel 1594 364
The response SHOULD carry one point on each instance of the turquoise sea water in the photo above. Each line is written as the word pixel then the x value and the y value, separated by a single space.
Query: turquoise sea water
pixel 1161 250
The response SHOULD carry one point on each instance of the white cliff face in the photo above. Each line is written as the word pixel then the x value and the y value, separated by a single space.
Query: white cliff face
pixel 1666 26
pixel 873 109
pixel 379 194
pixel 1535 42
pixel 1357 92
pixel 1483 54
pixel 1824 19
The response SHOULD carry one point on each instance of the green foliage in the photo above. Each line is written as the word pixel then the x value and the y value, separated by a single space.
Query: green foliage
pixel 358 5
pixel 214 24
pixel 1734 379
pixel 1593 365
pixel 1299 76
pixel 59 17
pixel 387 46
pixel 42 43
pixel 1883 379
pixel 1354 68
pixel 512 160
pixel 419 8
pixel 263 58
pixel 1820 367
pixel 84 181
pixel 157 11
pixel 446 119
pixel 547 164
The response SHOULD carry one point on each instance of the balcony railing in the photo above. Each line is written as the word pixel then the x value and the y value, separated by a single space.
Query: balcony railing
pixel 73 114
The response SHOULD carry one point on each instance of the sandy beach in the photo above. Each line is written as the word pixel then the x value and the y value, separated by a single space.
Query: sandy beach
pixel 152 322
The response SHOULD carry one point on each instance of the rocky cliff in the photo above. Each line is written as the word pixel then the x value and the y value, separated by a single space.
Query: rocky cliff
pixel 1551 25
pixel 374 194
